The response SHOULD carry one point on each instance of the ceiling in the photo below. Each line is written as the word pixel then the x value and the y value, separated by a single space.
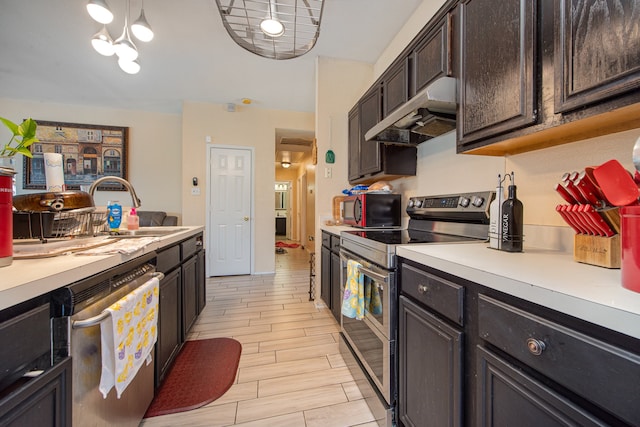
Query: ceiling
pixel 47 55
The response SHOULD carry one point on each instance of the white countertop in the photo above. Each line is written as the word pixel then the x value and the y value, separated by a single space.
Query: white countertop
pixel 548 278
pixel 28 278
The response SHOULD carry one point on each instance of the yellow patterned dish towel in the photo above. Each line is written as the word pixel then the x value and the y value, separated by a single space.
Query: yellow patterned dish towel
pixel 128 336
pixel 353 298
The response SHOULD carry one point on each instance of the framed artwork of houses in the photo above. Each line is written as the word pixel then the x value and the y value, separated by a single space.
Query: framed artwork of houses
pixel 88 152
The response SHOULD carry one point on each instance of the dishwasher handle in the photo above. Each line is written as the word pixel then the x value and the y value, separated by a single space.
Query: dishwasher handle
pixel 95 320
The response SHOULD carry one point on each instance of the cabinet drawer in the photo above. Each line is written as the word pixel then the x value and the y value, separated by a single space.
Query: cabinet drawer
pixel 335 243
pixel 189 247
pixel 24 339
pixel 601 373
pixel 326 239
pixel 168 259
pixel 441 295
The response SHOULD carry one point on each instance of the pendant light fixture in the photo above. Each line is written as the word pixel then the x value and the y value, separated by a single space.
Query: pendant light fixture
pixel 141 28
pixel 125 49
pixel 123 46
pixel 276 29
pixel 286 165
pixel 102 42
pixel 99 11
pixel 270 25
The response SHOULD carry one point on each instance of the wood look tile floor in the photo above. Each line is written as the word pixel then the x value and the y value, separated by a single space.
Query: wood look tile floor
pixel 291 373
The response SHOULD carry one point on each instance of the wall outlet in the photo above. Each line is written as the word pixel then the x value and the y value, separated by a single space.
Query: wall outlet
pixel 327 172
pixel 195 191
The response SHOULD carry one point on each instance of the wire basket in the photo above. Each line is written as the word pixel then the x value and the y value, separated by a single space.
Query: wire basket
pixel 79 222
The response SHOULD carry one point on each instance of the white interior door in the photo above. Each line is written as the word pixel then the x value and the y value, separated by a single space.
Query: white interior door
pixel 231 174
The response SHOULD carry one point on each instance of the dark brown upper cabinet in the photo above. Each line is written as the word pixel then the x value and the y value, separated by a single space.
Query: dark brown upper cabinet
pixel 370 161
pixel 432 56
pixel 597 51
pixel 369 116
pixel 395 86
pixel 534 74
pixel 497 68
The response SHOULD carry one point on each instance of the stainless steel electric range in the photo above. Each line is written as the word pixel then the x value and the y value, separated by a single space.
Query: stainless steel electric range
pixel 369 345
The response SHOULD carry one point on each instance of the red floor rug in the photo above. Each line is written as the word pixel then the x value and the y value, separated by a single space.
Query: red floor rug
pixel 202 372
pixel 287 245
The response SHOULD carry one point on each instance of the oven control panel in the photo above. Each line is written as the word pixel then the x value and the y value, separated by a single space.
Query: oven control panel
pixel 451 206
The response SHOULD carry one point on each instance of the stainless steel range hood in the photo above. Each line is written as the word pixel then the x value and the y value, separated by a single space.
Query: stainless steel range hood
pixel 430 113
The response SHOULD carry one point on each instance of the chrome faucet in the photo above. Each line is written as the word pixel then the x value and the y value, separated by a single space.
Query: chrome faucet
pixel 134 197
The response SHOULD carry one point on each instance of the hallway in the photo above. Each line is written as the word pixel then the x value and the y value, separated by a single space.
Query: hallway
pixel 291 373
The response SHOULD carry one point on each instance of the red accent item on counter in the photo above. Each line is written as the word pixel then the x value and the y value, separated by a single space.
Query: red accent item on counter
pixel 630 234
pixel 6 217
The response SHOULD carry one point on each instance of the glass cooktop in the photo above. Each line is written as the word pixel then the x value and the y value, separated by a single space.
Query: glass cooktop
pixel 402 237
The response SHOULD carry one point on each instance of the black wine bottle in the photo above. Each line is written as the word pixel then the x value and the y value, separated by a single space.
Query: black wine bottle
pixel 512 221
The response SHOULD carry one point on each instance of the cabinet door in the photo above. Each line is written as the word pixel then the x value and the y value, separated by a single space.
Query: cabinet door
pixel 430 377
pixel 169 322
pixel 202 280
pixel 189 295
pixel 325 276
pixel 497 68
pixel 597 53
pixel 395 86
pixel 42 401
pixel 354 144
pixel 369 116
pixel 508 397
pixel 431 57
pixel 336 294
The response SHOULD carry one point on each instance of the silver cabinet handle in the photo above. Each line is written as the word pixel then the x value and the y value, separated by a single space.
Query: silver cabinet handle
pixel 422 289
pixel 536 347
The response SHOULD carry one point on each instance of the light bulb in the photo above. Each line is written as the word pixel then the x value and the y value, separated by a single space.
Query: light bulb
pixel 141 28
pixel 272 27
pixel 129 67
pixel 99 11
pixel 103 43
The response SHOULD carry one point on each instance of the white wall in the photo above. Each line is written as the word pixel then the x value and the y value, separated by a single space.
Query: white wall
pixel 154 153
pixel 247 127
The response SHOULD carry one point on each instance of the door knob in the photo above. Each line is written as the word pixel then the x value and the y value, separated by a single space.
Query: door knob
pixel 245 218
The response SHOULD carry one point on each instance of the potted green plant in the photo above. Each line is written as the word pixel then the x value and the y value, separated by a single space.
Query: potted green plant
pixel 23 135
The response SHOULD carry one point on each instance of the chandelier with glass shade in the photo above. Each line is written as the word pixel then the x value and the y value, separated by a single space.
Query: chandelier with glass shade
pixel 123 47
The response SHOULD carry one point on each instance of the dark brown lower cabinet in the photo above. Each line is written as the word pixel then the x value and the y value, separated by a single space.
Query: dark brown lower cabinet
pixel 169 325
pixel 189 294
pixel 509 397
pixel 430 354
pixel 202 281
pixel 506 361
pixel 41 401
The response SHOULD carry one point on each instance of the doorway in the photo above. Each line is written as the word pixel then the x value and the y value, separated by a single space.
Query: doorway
pixel 230 224
pixel 283 210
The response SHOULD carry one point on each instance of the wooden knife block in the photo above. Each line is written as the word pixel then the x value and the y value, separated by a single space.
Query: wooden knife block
pixel 597 250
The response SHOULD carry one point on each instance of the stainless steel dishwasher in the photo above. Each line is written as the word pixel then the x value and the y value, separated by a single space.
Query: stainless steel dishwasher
pixel 78 311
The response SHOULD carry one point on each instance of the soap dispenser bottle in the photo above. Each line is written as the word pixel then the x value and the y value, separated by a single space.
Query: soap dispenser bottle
pixel 512 221
pixel 495 214
pixel 133 220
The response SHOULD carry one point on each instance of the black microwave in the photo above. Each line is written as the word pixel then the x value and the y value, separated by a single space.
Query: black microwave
pixel 369 210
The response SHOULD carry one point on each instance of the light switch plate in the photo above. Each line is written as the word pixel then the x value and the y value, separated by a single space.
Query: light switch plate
pixel 195 191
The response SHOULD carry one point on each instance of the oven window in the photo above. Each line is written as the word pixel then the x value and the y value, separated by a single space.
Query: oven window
pixel 376 306
pixel 368 344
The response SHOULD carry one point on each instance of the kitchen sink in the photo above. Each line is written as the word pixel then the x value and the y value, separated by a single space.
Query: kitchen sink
pixel 146 232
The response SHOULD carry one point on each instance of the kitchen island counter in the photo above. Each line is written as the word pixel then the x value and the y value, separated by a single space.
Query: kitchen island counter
pixel 548 278
pixel 28 278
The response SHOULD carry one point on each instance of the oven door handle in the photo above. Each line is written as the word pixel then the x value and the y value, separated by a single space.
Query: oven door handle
pixel 379 277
